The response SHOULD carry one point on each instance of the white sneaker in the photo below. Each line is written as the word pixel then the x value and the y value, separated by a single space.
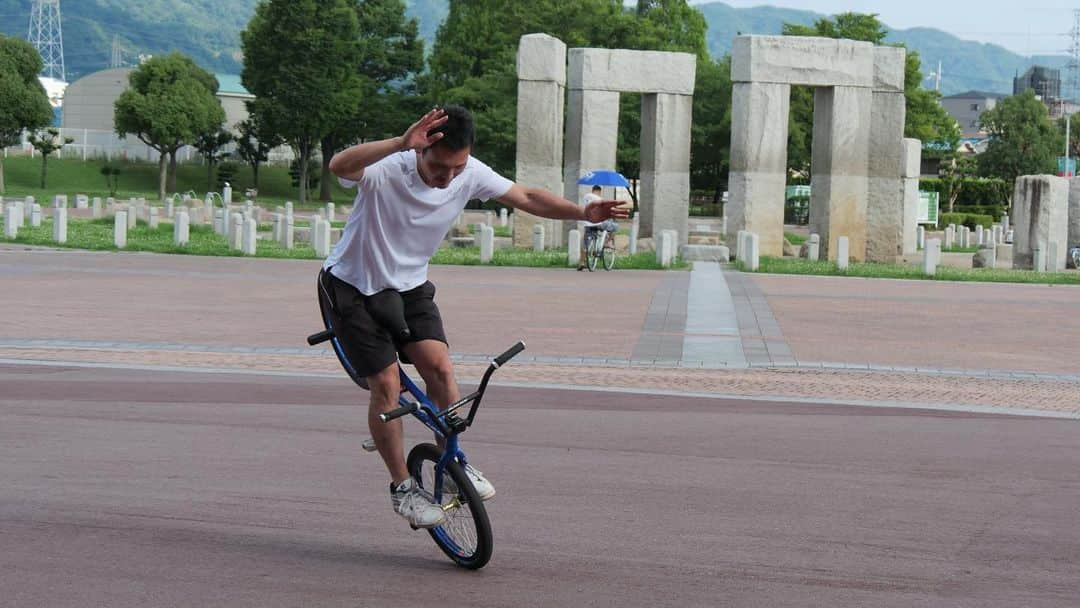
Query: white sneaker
pixel 482 485
pixel 412 503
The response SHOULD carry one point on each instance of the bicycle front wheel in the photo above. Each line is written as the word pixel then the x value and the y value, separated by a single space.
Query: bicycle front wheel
pixel 465 537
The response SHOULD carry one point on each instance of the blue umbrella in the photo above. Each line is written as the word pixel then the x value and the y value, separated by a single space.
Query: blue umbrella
pixel 604 178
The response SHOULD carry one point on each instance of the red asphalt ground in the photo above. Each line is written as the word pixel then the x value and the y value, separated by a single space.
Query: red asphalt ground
pixel 141 488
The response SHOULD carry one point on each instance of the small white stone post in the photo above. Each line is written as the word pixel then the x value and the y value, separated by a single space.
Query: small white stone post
pixel 96 206
pixel 753 251
pixel 487 243
pixel 813 247
pixel 503 216
pixel 35 215
pixel 251 228
pixel 931 257
pixel 120 229
pixel 236 231
pixel 1038 257
pixel 843 253
pixel 153 221
pixel 181 227
pixel 279 224
pixel 60 225
pixel 920 237
pixel 169 211
pixel 538 237
pixel 226 195
pixel 573 245
pixel 288 232
pixel 329 212
pixel 132 214
pixel 11 229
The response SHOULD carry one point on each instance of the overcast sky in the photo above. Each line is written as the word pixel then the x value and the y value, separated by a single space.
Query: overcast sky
pixel 1040 29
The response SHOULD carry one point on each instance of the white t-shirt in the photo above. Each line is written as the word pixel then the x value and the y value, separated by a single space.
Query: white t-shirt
pixel 398 221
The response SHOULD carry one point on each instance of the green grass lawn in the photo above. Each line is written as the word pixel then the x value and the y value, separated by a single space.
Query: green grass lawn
pixel 22 177
pixel 795 239
pixel 893 271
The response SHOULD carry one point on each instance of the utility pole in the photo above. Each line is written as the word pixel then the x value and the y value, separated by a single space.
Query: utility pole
pixel 46 36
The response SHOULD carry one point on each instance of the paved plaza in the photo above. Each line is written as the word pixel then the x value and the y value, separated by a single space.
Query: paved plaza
pixel 667 439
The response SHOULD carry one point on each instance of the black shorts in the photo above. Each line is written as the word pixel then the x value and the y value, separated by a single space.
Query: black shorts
pixel 369 347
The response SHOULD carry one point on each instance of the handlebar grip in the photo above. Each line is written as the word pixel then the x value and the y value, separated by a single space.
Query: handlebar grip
pixel 322 336
pixel 399 412
pixel 510 354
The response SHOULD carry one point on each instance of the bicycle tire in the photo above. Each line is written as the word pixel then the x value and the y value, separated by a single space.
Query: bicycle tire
pixel 609 254
pixel 593 254
pixel 467 550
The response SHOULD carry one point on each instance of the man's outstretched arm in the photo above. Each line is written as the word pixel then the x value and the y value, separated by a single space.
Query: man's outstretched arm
pixel 543 203
pixel 351 162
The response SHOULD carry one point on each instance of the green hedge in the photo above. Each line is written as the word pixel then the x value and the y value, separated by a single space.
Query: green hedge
pixel 985 196
pixel 971 220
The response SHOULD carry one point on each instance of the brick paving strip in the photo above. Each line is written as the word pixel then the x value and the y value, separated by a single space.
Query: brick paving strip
pixel 931 388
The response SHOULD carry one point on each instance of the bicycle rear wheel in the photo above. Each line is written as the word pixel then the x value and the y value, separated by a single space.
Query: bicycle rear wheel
pixel 593 254
pixel 609 253
pixel 466 535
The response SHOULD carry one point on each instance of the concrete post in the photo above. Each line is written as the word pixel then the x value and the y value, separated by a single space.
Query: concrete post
pixel 538 237
pixel 153 221
pixel 487 243
pixel 181 228
pixel 813 248
pixel 96 207
pixel 133 214
pixel 250 236
pixel 11 228
pixel 931 257
pixel 842 253
pixel 635 231
pixel 288 232
pixel 573 247
pixel 753 251
pixel 920 237
pixel 35 216
pixel 60 225
pixel 236 231
pixel 120 229
pixel 1073 239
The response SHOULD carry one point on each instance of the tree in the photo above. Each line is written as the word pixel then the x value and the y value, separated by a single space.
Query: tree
pixel 300 62
pixel 46 143
pixel 169 102
pixel 390 54
pixel 211 145
pixel 24 106
pixel 954 174
pixel 254 144
pixel 1023 139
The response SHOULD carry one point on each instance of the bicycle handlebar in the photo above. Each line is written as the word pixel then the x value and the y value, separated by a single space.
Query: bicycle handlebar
pixel 509 354
pixel 399 412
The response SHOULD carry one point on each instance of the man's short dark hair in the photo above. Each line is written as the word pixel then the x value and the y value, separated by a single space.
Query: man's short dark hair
pixel 459 130
pixel 596 188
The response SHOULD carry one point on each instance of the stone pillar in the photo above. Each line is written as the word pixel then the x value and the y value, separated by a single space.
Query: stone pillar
pixel 886 170
pixel 664 195
pixel 1074 213
pixel 592 131
pixel 120 229
pixel 838 167
pixel 181 227
pixel 236 231
pixel 1040 210
pixel 82 201
pixel 752 249
pixel 487 243
pixel 132 214
pixel 60 225
pixel 279 224
pixel 35 216
pixel 541 69
pixel 96 206
pixel 573 247
pixel 320 236
pixel 758 174
pixel 912 169
pixel 920 236
pixel 503 216
pixel 329 212
pixel 153 221
pixel 226 195
pixel 169 211
pixel 635 230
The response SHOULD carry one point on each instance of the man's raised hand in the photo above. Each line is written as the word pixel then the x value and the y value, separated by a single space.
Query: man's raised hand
pixel 598 211
pixel 417 137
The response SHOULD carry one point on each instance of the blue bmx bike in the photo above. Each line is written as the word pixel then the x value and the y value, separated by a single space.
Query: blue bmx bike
pixel 465 537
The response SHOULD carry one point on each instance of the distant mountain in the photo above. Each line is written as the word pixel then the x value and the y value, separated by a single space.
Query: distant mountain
pixel 208 30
